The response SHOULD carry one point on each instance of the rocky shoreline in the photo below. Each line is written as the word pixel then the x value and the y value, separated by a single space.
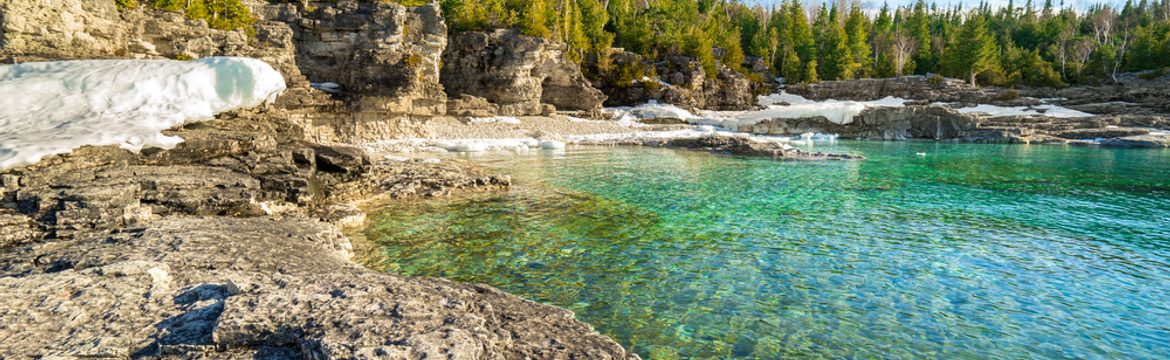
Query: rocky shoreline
pixel 1129 114
pixel 229 246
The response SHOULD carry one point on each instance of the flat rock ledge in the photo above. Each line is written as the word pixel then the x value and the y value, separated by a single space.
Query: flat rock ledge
pixel 228 247
pixel 732 145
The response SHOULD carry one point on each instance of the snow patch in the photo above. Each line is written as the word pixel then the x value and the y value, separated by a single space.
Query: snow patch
pixel 779 106
pixel 552 145
pixel 51 108
pixel 495 119
pixel 783 98
pixel 329 87
pixel 1048 110
pixel 836 111
pixel 466 145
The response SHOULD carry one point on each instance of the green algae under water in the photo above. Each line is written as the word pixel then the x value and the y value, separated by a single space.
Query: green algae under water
pixel 973 251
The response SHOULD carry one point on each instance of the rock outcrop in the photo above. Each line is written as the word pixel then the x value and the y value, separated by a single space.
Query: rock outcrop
pixel 892 123
pixel 927 89
pixel 935 122
pixel 725 144
pixel 518 73
pixel 384 56
pixel 221 248
pixel 1126 112
pixel 735 145
pixel 1129 97
pixel 34 30
pixel 629 80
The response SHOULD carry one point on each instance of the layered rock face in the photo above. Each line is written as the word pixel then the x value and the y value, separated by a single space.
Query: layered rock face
pixel 517 73
pixel 679 80
pixel 385 57
pixel 35 30
pixel 877 124
pixel 915 87
pixel 936 122
pixel 1125 112
pixel 1130 97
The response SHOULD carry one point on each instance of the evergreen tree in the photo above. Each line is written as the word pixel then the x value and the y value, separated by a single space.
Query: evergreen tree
pixel 918 27
pixel 802 41
pixel 1020 43
pixel 881 41
pixel 857 32
pixel 976 50
pixel 534 19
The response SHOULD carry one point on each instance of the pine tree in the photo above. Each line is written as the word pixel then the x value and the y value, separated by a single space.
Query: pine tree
pixel 534 20
pixel 802 41
pixel 881 42
pixel 810 72
pixel 857 32
pixel 976 50
pixel 834 56
pixel 918 27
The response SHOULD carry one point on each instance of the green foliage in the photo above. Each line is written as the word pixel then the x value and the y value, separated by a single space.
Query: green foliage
pixel 975 51
pixel 413 2
pixel 413 60
pixel 1011 45
pixel 699 46
pixel 219 14
pixel 1154 74
pixel 857 35
pixel 936 80
pixel 1008 95
pixel 126 4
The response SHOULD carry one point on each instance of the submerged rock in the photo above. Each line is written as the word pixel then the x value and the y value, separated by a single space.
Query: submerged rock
pixel 1100 133
pixel 1140 141
pixel 731 145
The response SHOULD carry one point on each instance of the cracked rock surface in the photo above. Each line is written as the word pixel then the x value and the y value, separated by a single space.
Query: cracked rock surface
pixel 227 247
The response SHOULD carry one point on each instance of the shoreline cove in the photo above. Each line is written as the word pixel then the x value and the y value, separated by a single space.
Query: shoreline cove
pixel 768 232
pixel 355 179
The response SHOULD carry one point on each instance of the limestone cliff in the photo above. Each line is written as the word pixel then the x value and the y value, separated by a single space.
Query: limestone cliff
pixel 516 72
pixel 630 80
pixel 384 56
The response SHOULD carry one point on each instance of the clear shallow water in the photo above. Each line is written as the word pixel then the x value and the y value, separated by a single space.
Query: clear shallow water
pixel 974 251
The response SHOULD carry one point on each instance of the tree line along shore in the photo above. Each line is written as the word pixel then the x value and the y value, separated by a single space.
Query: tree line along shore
pixel 1031 44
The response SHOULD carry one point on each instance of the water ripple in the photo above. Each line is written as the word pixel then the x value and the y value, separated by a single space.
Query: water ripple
pixel 976 251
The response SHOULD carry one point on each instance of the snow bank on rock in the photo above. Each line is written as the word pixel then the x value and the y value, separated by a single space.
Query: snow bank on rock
pixel 51 108
pixel 1048 110
pixel 783 98
pixel 495 119
pixel 660 111
pixel 836 111
pixel 779 106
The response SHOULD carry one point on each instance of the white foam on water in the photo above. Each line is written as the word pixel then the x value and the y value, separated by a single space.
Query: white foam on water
pixel 50 108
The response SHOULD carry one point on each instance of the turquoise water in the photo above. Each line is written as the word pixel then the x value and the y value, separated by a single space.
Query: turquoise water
pixel 973 251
